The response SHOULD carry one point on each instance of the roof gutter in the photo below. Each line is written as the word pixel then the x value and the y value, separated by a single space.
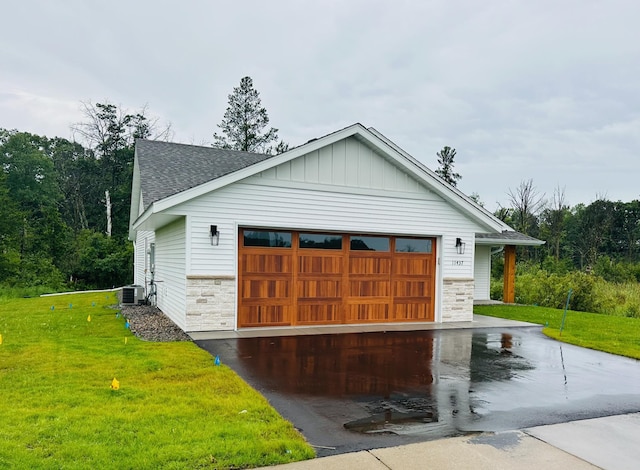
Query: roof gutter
pixel 503 242
pixel 144 217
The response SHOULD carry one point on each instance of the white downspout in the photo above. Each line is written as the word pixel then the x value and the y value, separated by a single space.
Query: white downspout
pixel 495 251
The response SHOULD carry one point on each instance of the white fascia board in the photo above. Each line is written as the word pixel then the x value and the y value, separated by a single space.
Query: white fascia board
pixel 503 242
pixel 143 218
pixel 136 194
pixel 153 221
pixel 446 191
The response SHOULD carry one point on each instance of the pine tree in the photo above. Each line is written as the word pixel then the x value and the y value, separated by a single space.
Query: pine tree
pixel 445 170
pixel 245 121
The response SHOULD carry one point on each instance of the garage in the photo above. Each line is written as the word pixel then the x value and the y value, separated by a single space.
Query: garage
pixel 289 278
pixel 346 229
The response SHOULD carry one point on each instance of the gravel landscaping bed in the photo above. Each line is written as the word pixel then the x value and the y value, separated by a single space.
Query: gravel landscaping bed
pixel 150 324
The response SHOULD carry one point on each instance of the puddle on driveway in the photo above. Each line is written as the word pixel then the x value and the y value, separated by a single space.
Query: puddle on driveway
pixel 432 384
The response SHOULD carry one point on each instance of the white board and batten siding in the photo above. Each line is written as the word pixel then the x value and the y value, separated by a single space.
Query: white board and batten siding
pixel 170 273
pixel 347 163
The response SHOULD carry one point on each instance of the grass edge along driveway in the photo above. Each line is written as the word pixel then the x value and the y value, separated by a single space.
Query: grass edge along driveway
pixel 174 407
pixel 612 334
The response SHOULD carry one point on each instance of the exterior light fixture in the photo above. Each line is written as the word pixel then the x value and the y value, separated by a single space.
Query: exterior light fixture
pixel 460 245
pixel 214 235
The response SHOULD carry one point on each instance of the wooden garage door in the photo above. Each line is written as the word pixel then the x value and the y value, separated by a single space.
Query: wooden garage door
pixel 299 278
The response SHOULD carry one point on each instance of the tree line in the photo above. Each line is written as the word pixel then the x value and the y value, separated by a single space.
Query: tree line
pixel 64 205
pixel 602 237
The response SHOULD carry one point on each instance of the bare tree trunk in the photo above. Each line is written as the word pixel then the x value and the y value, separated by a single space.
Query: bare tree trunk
pixel 83 215
pixel 108 202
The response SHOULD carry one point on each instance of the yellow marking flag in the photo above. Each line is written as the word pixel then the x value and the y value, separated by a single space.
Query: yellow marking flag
pixel 115 384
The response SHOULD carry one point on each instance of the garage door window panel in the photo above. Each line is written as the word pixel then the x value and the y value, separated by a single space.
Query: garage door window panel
pixel 414 245
pixel 321 241
pixel 366 243
pixel 267 238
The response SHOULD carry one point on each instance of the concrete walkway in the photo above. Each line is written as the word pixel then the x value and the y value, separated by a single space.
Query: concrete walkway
pixel 610 443
pixel 479 321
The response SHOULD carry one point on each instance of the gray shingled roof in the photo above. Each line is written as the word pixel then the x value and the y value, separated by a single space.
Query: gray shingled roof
pixel 514 237
pixel 167 168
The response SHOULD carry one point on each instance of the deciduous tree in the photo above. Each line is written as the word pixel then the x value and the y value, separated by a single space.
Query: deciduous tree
pixel 110 132
pixel 553 221
pixel 527 203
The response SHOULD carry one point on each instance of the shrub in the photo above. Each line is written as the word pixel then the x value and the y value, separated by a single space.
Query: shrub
pixel 103 262
pixel 590 293
pixel 496 288
pixel 621 299
pixel 36 273
pixel 554 266
pixel 616 271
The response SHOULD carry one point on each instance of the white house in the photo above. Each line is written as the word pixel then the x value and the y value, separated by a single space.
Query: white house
pixel 345 229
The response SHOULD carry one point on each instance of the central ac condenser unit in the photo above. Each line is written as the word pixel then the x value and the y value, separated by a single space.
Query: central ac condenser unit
pixel 132 295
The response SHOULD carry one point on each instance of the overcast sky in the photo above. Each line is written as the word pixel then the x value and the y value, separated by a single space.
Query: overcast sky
pixel 547 90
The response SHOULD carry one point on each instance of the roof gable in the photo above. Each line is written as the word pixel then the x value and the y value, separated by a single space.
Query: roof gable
pixel 254 164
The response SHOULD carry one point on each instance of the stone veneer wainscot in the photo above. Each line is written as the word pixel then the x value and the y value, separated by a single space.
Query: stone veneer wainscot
pixel 211 303
pixel 457 300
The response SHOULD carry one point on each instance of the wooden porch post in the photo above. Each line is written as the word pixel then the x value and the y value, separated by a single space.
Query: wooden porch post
pixel 509 292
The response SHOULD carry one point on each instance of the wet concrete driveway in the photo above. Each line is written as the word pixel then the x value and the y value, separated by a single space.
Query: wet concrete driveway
pixel 348 392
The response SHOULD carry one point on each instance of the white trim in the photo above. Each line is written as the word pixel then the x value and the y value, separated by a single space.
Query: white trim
pixel 135 196
pixel 341 189
pixel 307 228
pixel 135 226
pixel 237 274
pixel 503 242
pixel 187 235
pixel 437 304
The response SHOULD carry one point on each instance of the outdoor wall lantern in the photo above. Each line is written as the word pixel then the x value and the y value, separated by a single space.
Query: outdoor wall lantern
pixel 214 234
pixel 460 245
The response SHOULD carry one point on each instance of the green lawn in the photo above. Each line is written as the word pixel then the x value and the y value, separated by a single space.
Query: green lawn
pixel 174 408
pixel 617 335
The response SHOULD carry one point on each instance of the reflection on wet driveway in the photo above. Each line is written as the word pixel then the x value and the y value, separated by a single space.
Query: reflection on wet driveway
pixel 356 391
